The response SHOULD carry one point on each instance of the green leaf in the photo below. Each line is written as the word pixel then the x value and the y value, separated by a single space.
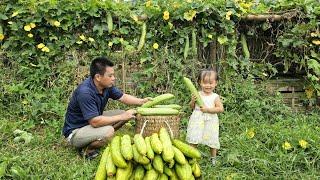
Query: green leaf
pixel 222 39
pixel 314 65
pixel 3 16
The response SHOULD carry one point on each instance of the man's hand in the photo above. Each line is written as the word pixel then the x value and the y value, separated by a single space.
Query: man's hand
pixel 129 114
pixel 144 100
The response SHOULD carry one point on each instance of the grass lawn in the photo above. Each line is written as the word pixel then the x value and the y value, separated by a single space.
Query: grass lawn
pixel 251 148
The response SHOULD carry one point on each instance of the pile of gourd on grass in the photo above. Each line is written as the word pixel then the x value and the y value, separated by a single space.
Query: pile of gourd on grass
pixel 153 157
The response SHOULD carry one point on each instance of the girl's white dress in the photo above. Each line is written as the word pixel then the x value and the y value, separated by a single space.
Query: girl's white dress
pixel 203 128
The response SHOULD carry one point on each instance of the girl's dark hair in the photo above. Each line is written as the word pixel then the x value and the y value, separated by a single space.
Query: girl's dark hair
pixel 98 66
pixel 207 72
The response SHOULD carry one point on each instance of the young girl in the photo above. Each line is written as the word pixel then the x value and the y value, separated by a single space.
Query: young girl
pixel 203 126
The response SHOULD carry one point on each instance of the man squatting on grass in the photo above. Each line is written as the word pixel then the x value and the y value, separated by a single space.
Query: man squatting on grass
pixel 87 127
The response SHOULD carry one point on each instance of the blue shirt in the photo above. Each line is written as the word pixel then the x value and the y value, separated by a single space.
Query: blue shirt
pixel 87 103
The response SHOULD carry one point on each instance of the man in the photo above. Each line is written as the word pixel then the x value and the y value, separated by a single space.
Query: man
pixel 86 126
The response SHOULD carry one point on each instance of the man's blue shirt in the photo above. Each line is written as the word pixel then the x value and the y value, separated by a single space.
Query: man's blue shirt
pixel 87 103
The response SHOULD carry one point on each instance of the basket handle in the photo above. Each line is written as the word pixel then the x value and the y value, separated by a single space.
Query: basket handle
pixel 145 123
pixel 171 133
pixel 143 126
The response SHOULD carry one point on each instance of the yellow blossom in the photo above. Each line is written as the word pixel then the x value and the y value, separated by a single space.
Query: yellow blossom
pixel 30 35
pixel 40 46
pixel 1 37
pixel 56 23
pixel 91 39
pixel 245 5
pixel 313 34
pixel 210 36
pixel 27 28
pixel 82 37
pixel 32 25
pixel 250 133
pixel 316 42
pixel 110 44
pixel 45 49
pixel 286 145
pixel 79 42
pixel 309 92
pixel 189 15
pixel 303 143
pixel 228 14
pixel 148 3
pixel 166 15
pixel 14 14
pixel 155 46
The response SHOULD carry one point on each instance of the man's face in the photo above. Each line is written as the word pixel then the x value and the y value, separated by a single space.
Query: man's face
pixel 108 79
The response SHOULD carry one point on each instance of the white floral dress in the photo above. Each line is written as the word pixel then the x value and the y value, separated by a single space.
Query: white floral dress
pixel 203 128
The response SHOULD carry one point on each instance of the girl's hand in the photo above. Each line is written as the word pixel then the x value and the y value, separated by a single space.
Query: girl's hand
pixel 204 109
pixel 193 101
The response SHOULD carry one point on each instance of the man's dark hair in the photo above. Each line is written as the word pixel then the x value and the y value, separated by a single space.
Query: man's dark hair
pixel 98 66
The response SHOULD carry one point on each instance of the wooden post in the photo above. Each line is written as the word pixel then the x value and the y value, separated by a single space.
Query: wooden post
pixel 123 76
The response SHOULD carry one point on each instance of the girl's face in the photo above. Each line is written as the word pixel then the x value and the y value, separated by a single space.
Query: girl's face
pixel 208 83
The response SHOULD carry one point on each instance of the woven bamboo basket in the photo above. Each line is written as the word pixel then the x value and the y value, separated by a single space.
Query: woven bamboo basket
pixel 146 125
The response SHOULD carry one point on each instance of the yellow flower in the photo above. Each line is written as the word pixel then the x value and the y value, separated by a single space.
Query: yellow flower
pixel 210 36
pixel 309 92
pixel 27 28
pixel 82 37
pixel 228 14
pixel 45 49
pixel 250 133
pixel 56 23
pixel 91 39
pixel 40 46
pixel 189 15
pixel 286 145
pixel 79 42
pixel 303 143
pixel 316 42
pixel 245 5
pixel 148 3
pixel 313 34
pixel 14 14
pixel 166 15
pixel 110 44
pixel 32 25
pixel 155 46
pixel 1 37
pixel 30 35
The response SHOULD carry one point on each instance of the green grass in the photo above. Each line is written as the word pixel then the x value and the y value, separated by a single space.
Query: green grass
pixel 47 156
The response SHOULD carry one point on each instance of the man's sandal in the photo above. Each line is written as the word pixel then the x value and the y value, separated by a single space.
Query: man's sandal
pixel 89 156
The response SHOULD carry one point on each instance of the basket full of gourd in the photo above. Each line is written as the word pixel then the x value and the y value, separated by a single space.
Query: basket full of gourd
pixel 154 115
